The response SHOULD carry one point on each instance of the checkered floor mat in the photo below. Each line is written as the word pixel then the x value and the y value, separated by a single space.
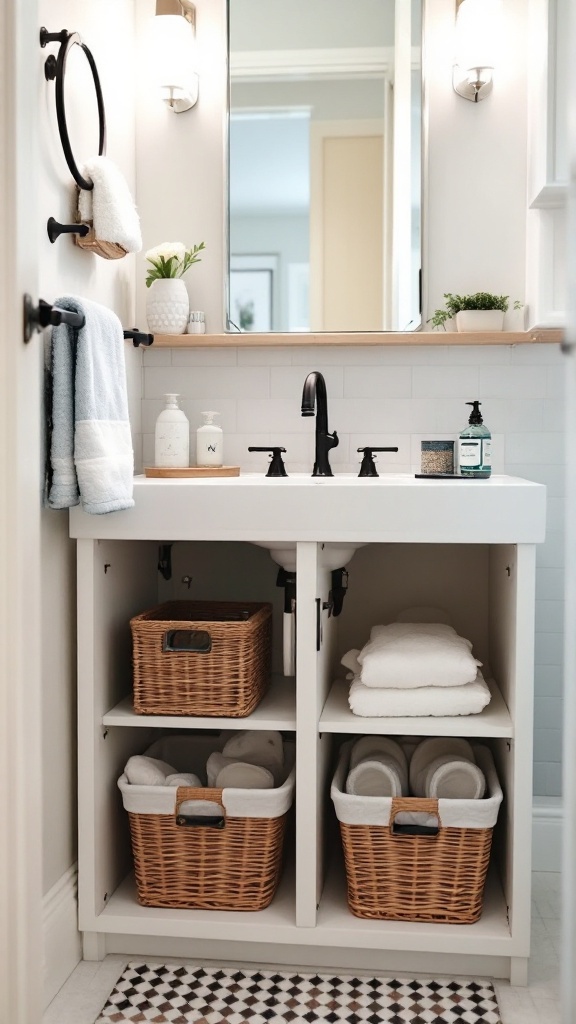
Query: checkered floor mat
pixel 169 994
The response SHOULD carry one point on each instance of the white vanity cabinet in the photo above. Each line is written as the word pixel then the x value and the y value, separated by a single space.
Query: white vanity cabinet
pixel 466 546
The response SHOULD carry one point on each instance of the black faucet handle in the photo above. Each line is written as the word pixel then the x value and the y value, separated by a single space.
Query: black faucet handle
pixel 368 467
pixel 276 467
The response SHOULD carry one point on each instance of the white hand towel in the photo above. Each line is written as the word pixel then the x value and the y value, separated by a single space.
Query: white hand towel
pixel 410 655
pixel 91 456
pixel 436 746
pixel 141 770
pixel 451 778
pixel 242 775
pixel 368 748
pixel 377 776
pixel 183 779
pixel 437 701
pixel 109 205
pixel 264 748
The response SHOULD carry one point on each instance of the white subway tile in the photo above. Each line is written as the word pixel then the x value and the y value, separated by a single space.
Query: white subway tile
pixel 549 649
pixel 445 382
pixel 556 381
pixel 204 356
pixel 151 409
pixel 553 414
pixel 551 552
pixel 390 416
pixel 209 382
pixel 512 382
pixel 554 780
pixel 288 382
pixel 280 415
pixel 226 407
pixel 148 449
pixel 549 584
pixel 316 357
pixel 379 382
pixel 236 451
pixel 540 779
pixel 156 356
pixel 137 445
pixel 264 355
pixel 536 355
pixel 535 447
pixel 551 476
pixel 555 513
pixel 478 355
pixel 549 680
pixel 548 712
pixel 550 616
pixel 547 744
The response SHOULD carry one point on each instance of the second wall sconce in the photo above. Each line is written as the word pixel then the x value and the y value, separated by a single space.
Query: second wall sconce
pixel 477 38
pixel 174 56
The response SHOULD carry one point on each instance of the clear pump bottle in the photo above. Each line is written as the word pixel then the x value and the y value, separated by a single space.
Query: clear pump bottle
pixel 172 436
pixel 475 446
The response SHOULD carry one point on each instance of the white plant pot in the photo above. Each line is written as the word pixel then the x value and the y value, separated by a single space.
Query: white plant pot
pixel 167 306
pixel 487 320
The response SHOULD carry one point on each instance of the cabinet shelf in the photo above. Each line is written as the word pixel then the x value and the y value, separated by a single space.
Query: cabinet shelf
pixel 494 720
pixel 277 710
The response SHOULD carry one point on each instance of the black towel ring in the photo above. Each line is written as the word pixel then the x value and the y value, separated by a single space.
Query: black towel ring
pixel 55 68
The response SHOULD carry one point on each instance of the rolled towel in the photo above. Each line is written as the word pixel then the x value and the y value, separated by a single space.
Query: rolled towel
pixel 436 746
pixel 109 205
pixel 413 655
pixel 368 748
pixel 434 701
pixel 378 776
pixel 141 770
pixel 447 777
pixel 242 775
pixel 214 765
pixel 263 748
pixel 183 779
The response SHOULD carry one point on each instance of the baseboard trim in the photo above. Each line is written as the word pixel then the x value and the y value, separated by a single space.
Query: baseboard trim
pixel 547 819
pixel 62 946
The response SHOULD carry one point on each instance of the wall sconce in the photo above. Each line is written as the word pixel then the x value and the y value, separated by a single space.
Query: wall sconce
pixel 174 44
pixel 477 38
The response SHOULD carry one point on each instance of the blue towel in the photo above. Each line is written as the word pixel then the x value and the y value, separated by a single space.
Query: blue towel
pixel 91 455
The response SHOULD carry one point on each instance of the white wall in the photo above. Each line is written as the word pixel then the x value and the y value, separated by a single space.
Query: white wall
pixel 475 217
pixel 106 26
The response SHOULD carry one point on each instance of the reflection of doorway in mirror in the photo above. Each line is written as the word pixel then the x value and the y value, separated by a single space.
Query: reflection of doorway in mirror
pixel 298 296
pixel 251 292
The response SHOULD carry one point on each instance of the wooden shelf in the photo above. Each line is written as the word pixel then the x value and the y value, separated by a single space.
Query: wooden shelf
pixel 277 710
pixel 493 721
pixel 538 336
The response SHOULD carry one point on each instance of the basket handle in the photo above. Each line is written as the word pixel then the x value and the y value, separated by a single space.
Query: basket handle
pixel 191 641
pixel 410 803
pixel 213 796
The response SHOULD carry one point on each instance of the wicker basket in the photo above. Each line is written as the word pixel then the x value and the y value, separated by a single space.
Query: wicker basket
pixel 398 876
pixel 222 862
pixel 201 658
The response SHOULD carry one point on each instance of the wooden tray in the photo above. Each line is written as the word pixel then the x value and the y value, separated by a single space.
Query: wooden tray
pixel 190 471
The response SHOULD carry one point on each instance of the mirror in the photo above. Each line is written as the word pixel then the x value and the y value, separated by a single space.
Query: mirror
pixel 324 188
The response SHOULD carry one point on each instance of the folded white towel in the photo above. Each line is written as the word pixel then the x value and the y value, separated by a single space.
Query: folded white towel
pixel 183 779
pixel 91 456
pixel 141 770
pixel 264 748
pixel 451 778
pixel 376 776
pixel 242 775
pixel 369 748
pixel 438 701
pixel 432 747
pixel 411 654
pixel 109 205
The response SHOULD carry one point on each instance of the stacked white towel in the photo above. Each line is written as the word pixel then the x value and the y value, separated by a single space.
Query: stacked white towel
pixel 415 668
pixel 109 205
pixel 248 760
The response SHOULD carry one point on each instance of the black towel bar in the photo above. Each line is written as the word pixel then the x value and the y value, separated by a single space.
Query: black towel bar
pixel 47 315
pixel 138 337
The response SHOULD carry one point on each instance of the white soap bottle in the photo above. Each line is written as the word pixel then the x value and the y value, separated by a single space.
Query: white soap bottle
pixel 172 436
pixel 209 442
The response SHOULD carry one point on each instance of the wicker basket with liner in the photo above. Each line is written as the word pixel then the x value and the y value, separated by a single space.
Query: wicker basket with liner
pixel 208 849
pixel 205 658
pixel 397 875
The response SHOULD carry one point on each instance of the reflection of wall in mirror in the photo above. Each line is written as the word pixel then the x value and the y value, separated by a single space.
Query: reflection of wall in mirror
pixel 275 119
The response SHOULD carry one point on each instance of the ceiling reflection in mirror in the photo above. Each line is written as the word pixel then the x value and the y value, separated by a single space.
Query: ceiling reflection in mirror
pixel 324 195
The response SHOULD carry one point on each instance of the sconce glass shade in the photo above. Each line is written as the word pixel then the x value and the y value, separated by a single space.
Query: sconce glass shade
pixel 174 61
pixel 477 45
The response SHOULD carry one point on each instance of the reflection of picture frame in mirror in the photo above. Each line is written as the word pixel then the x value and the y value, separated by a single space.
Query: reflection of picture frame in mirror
pixel 251 292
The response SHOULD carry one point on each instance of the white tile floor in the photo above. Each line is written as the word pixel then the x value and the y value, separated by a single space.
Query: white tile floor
pixel 82 997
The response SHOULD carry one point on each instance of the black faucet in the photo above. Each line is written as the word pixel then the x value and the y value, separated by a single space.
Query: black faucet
pixel 315 391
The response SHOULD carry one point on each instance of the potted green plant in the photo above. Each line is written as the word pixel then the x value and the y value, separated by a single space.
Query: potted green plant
pixel 167 304
pixel 481 311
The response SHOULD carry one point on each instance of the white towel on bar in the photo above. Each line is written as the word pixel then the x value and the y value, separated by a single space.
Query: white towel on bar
pixel 91 455
pixel 437 701
pixel 412 654
pixel 109 205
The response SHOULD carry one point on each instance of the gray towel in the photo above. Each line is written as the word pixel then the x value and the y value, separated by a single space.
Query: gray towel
pixel 91 456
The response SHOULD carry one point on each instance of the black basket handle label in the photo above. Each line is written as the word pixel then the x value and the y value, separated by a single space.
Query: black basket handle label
pixel 190 641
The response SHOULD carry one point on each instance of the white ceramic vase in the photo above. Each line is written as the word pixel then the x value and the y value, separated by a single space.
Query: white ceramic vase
pixel 480 320
pixel 167 306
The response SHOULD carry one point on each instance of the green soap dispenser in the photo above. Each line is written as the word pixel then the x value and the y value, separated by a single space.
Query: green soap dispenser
pixel 475 446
